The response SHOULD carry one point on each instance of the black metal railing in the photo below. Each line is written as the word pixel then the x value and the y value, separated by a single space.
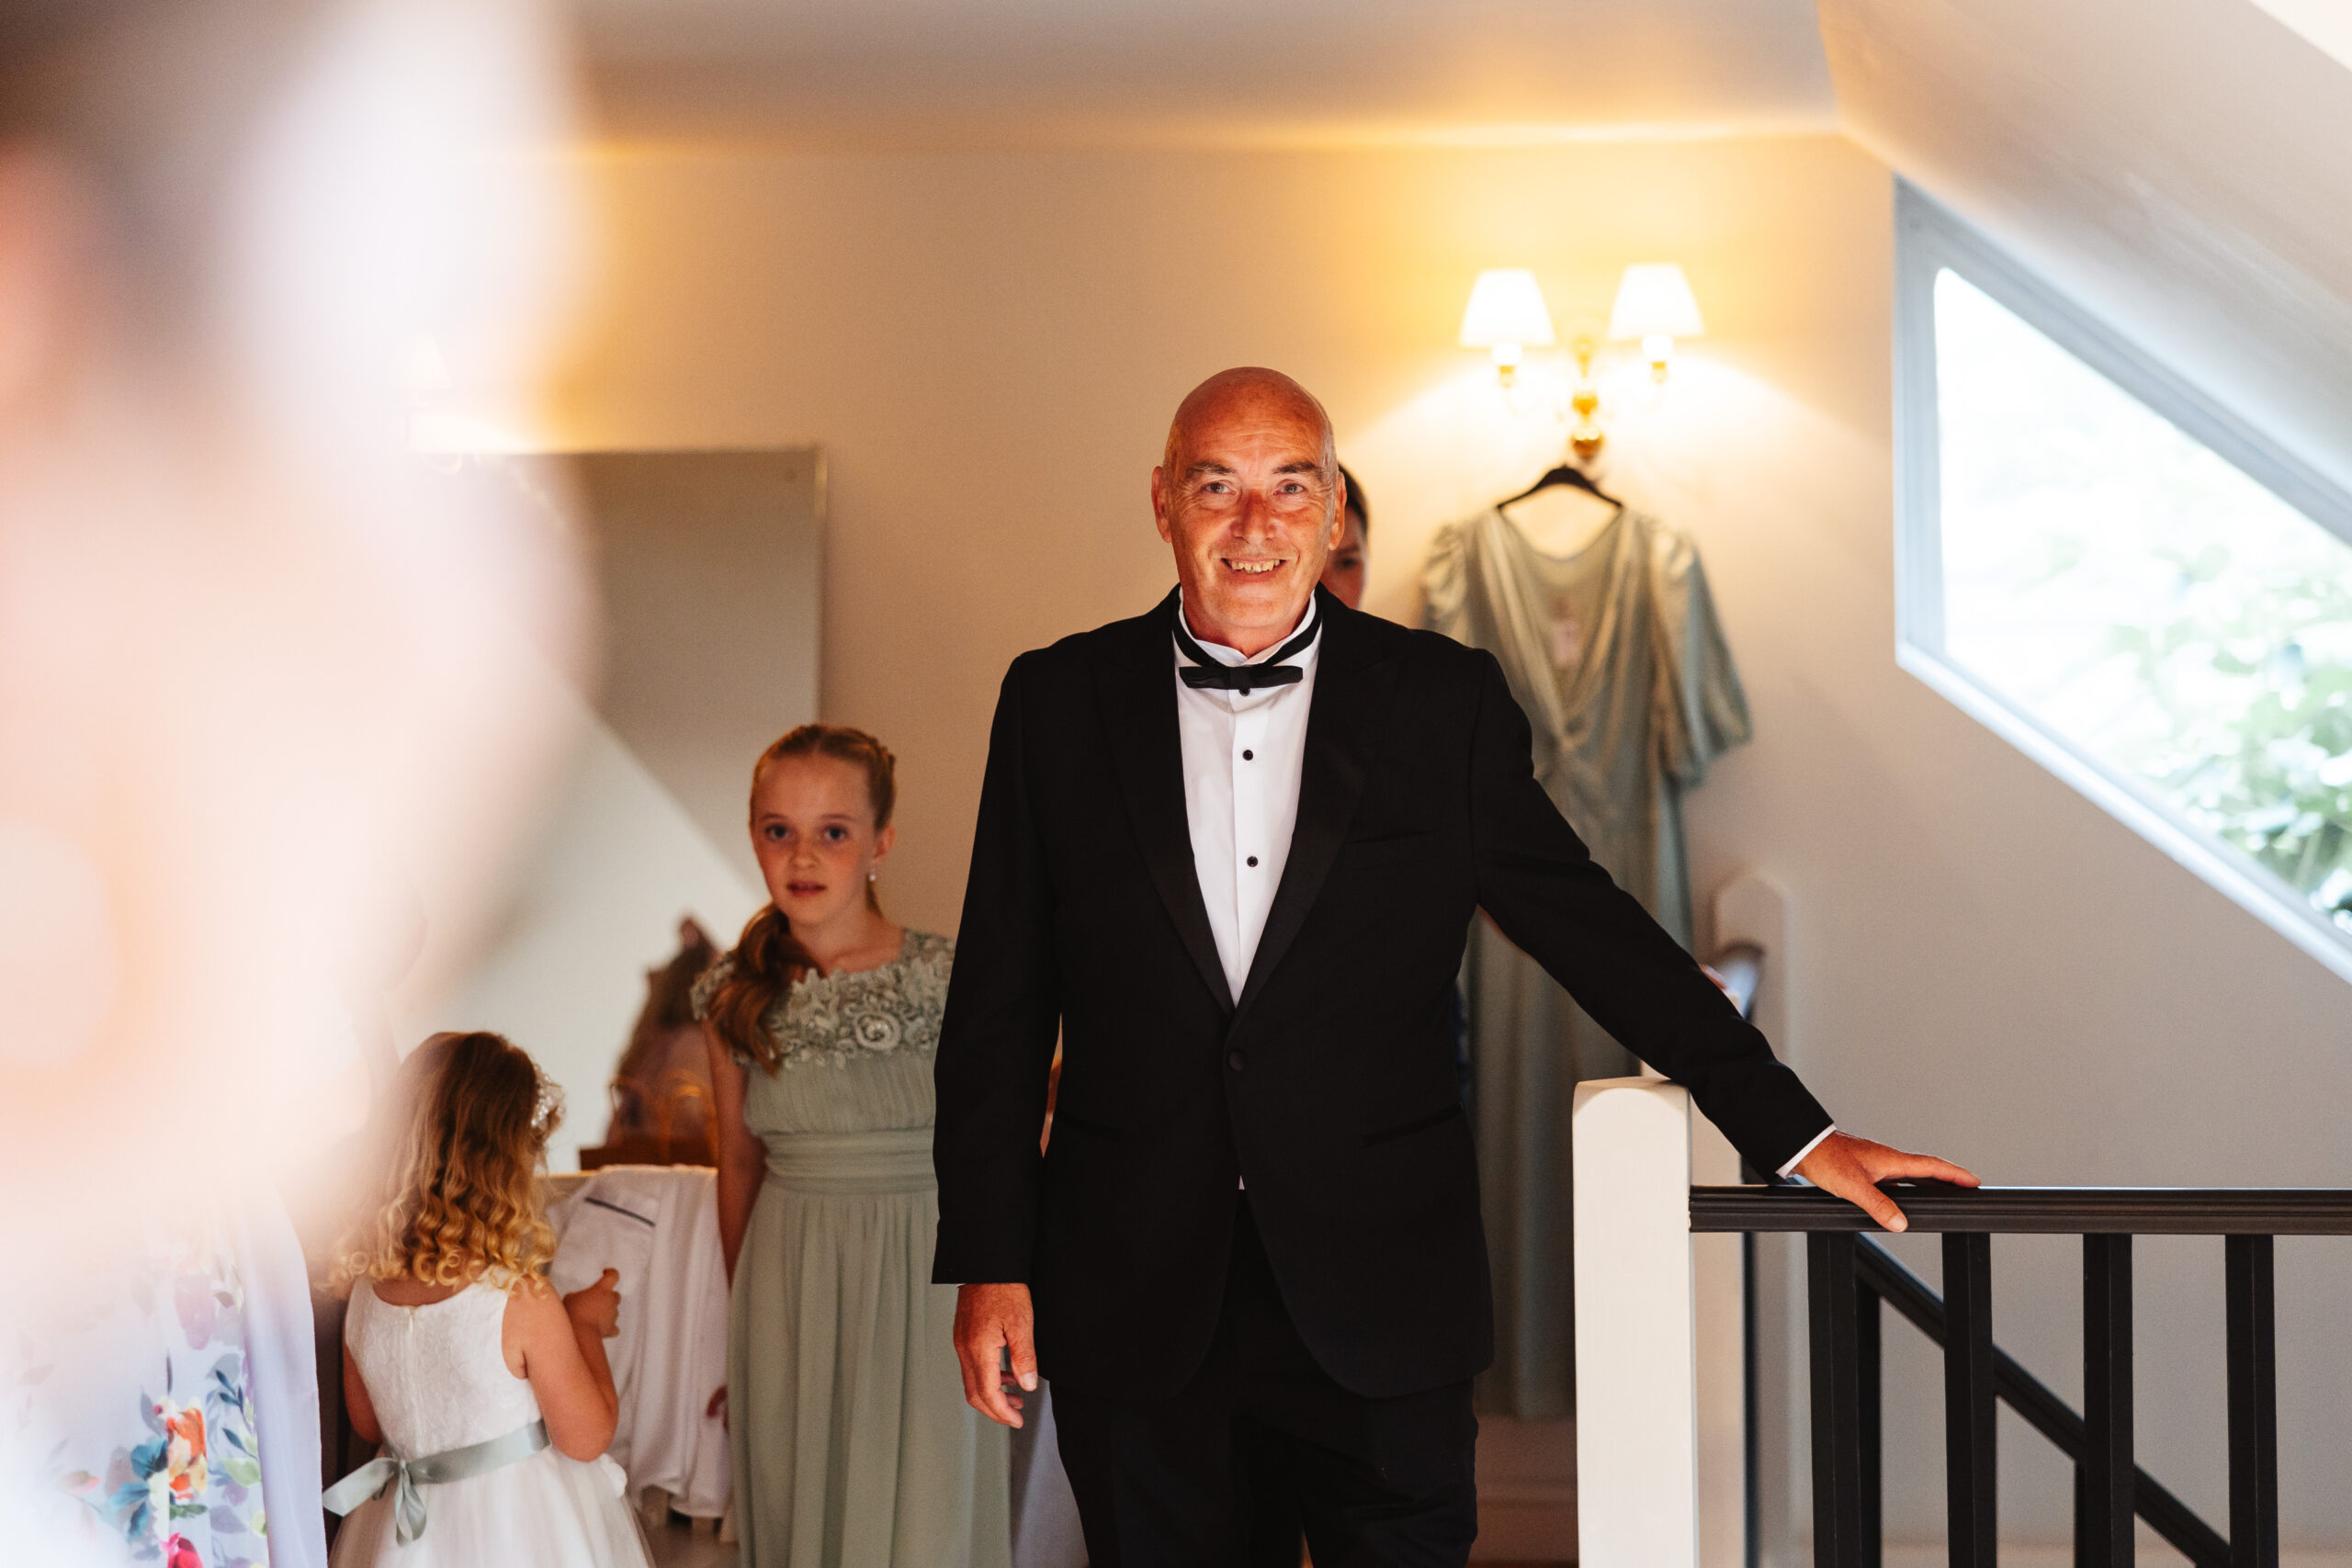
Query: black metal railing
pixel 1849 1275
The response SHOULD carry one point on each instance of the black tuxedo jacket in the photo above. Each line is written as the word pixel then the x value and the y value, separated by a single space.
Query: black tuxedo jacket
pixel 1329 1083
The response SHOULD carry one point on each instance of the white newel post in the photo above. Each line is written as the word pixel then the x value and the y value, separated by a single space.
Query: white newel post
pixel 1637 1418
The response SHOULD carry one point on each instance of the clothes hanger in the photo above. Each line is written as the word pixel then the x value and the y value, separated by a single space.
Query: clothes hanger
pixel 1566 473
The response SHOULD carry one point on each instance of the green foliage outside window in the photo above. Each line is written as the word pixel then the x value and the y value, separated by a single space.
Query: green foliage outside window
pixel 2170 617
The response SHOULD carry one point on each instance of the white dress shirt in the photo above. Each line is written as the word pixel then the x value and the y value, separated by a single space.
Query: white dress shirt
pixel 1243 755
pixel 1242 759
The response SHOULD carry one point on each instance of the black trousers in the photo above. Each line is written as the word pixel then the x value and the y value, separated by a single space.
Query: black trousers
pixel 1377 1483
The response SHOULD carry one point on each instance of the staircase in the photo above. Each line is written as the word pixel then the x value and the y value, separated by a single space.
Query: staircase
pixel 1639 1313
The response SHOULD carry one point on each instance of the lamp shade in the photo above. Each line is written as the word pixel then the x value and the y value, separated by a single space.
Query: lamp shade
pixel 1654 301
pixel 1506 308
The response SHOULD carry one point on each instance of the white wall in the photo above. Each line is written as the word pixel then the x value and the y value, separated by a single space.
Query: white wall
pixel 987 347
pixel 595 904
pixel 709 570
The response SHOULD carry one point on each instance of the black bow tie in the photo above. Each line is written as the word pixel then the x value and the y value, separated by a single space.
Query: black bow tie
pixel 1205 672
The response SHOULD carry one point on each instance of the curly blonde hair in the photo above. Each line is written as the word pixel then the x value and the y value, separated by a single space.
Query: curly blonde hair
pixel 467 1126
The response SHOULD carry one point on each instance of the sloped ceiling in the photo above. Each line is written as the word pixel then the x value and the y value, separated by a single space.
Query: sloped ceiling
pixel 886 74
pixel 2327 23
pixel 2182 168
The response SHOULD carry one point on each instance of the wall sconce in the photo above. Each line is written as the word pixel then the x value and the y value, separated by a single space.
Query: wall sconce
pixel 1507 316
pixel 1584 438
pixel 1653 305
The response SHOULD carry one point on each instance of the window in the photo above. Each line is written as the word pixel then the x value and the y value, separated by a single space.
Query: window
pixel 2124 581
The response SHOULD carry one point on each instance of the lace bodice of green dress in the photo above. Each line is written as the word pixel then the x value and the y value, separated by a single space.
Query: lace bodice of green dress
pixel 857 1047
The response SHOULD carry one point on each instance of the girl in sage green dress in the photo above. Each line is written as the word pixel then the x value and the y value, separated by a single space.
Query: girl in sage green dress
pixel 852 1445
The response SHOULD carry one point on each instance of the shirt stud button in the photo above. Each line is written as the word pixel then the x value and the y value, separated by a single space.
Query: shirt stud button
pixel 1253 860
pixel 1235 1060
pixel 1249 756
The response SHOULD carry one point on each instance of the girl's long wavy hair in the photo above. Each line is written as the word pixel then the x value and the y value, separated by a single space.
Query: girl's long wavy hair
pixel 465 1129
pixel 769 960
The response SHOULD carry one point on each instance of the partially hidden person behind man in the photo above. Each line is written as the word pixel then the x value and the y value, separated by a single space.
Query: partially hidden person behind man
pixel 1349 561
pixel 1228 851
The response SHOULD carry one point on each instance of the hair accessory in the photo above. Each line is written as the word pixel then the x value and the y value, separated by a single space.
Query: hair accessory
pixel 547 1111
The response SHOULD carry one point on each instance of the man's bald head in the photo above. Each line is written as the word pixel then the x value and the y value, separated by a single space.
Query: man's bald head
pixel 1248 495
pixel 1247 391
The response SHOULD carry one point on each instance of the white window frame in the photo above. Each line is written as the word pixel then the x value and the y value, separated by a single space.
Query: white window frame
pixel 1929 239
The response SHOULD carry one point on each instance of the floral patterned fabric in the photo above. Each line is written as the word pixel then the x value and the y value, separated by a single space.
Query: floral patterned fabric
pixel 137 1394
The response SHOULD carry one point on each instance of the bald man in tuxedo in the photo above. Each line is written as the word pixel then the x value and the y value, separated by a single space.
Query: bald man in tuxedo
pixel 1227 853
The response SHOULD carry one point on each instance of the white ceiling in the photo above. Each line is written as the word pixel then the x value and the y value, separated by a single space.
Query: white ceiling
pixel 859 74
pixel 2181 167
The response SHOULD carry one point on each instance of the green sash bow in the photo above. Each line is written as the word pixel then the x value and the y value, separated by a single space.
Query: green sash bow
pixel 405 1475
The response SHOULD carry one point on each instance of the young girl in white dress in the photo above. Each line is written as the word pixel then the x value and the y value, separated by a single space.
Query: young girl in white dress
pixel 490 1395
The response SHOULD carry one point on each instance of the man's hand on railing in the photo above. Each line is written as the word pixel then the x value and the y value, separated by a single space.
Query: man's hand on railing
pixel 1852 1167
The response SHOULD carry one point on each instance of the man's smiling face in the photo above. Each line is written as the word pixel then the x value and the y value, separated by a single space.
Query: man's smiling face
pixel 1248 498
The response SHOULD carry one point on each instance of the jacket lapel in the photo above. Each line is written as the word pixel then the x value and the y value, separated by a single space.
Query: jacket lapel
pixel 1137 688
pixel 1353 689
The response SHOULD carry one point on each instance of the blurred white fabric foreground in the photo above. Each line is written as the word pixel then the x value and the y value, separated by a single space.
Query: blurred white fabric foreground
pixel 281 1374
pixel 266 673
pixel 659 1226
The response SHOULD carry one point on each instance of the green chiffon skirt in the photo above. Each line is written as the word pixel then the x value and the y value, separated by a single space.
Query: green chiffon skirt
pixel 853 1446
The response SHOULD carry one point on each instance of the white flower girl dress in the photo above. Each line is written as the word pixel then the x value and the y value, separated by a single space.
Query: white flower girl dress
pixel 447 1404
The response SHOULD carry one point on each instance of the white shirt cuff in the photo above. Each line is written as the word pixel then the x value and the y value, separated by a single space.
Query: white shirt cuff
pixel 1798 1158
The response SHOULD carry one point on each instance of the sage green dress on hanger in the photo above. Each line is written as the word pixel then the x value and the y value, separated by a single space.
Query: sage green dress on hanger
pixel 852 1444
pixel 1616 655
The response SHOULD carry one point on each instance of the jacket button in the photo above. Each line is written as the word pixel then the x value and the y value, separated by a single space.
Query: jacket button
pixel 1234 1060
